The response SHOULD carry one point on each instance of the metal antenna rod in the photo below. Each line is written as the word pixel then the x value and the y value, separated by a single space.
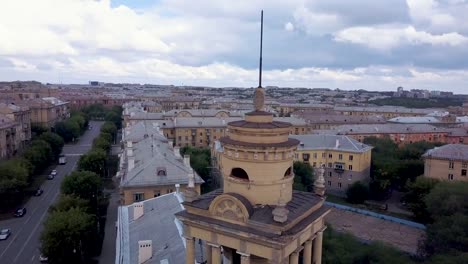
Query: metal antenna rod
pixel 261 43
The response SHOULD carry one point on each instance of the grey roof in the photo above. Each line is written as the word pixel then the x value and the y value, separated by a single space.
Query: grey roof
pixel 193 122
pixel 334 118
pixel 142 130
pixel 415 120
pixel 384 109
pixel 152 155
pixel 329 142
pixel 381 128
pixel 205 112
pixel 157 224
pixel 450 151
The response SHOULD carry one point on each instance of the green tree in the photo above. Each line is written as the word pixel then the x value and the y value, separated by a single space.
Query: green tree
pixel 67 202
pixel 447 205
pixel 357 192
pixel 37 130
pixel 39 154
pixel 109 128
pixel 82 184
pixel 68 235
pixel 414 197
pixel 68 130
pixel 200 160
pixel 93 161
pixel 14 176
pixel 102 143
pixel 55 142
pixel 303 176
pixel 115 118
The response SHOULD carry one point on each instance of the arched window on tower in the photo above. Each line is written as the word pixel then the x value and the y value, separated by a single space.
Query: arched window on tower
pixel 239 173
pixel 288 172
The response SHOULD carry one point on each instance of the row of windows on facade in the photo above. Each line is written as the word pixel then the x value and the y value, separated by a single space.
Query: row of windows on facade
pixel 138 197
pixel 266 155
pixel 337 184
pixel 452 165
pixel 193 138
pixel 463 173
pixel 306 156
pixel 339 166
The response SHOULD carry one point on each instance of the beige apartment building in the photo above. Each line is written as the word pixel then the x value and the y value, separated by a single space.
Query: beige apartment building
pixel 345 159
pixel 256 217
pixel 448 162
pixel 22 116
pixel 150 166
pixel 8 137
pixel 47 111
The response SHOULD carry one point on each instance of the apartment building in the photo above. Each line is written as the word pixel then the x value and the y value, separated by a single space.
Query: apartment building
pixel 8 137
pixel 399 133
pixel 385 111
pixel 22 116
pixel 46 111
pixel 150 166
pixel 322 120
pixel 345 159
pixel 448 162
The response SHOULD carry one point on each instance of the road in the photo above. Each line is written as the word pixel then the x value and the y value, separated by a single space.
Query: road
pixel 23 244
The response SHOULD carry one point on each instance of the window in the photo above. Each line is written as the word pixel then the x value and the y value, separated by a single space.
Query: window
pixel 324 155
pixel 329 165
pixel 350 157
pixel 180 138
pixel 450 177
pixel 305 157
pixel 329 173
pixel 463 172
pixel 339 185
pixel 255 156
pixel 137 197
pixel 451 164
pixel 296 156
pixel 161 172
pixel 157 193
pixel 169 190
pixel 186 138
pixel 315 155
pixel 465 165
pixel 350 167
pixel 330 156
pixel 340 156
pixel 329 183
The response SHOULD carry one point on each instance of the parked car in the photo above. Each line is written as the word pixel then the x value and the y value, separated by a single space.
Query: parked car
pixel 50 177
pixel 53 172
pixel 38 192
pixel 43 259
pixel 62 159
pixel 5 233
pixel 20 212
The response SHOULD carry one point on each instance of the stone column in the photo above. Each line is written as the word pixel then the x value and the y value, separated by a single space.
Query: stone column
pixel 294 258
pixel 318 248
pixel 245 257
pixel 308 252
pixel 208 253
pixel 190 250
pixel 215 254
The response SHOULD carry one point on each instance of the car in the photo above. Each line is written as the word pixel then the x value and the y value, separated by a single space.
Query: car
pixel 43 259
pixel 50 177
pixel 20 212
pixel 38 192
pixel 5 233
pixel 53 172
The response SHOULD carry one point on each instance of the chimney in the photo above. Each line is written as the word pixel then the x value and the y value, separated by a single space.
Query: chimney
pixel 177 152
pixel 337 143
pixel 177 187
pixel 171 144
pixel 187 160
pixel 145 250
pixel 129 144
pixel 137 210
pixel 131 163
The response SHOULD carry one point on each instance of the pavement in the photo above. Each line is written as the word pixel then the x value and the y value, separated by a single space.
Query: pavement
pixel 110 231
pixel 369 228
pixel 23 244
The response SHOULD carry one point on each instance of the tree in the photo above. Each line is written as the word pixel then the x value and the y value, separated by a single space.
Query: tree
pixel 447 205
pixel 102 143
pixel 414 197
pixel 39 154
pixel 115 118
pixel 93 161
pixel 357 192
pixel 55 142
pixel 68 236
pixel 66 202
pixel 109 128
pixel 13 176
pixel 68 130
pixel 303 176
pixel 82 184
pixel 200 160
pixel 38 129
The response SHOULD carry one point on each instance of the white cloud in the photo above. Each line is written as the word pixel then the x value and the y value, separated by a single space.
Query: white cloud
pixel 289 26
pixel 316 23
pixel 383 38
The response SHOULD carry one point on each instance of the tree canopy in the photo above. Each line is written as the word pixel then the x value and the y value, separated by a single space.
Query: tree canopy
pixel 303 176
pixel 93 161
pixel 82 184
pixel 357 192
pixel 55 141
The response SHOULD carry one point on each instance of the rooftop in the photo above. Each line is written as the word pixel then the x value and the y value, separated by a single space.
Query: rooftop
pixel 450 151
pixel 382 129
pixel 328 142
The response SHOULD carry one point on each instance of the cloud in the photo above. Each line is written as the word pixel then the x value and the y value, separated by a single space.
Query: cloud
pixel 384 38
pixel 289 26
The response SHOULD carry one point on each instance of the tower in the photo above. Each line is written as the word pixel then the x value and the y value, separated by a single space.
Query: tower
pixel 256 217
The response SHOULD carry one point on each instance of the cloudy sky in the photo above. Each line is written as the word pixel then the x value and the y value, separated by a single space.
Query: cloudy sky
pixel 368 44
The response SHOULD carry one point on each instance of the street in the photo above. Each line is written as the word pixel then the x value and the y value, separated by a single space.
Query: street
pixel 23 244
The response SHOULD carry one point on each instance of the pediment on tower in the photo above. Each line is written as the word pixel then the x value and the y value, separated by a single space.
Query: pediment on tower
pixel 231 207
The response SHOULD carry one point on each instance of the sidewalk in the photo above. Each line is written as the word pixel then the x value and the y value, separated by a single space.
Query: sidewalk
pixel 108 245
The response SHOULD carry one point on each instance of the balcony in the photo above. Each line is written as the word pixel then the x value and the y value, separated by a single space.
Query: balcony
pixel 339 167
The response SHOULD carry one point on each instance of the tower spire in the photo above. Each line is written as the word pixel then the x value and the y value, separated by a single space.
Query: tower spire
pixel 261 44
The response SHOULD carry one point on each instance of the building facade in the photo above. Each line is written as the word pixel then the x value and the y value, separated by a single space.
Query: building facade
pixel 8 137
pixel 345 159
pixel 448 162
pixel 22 116
pixel 256 217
